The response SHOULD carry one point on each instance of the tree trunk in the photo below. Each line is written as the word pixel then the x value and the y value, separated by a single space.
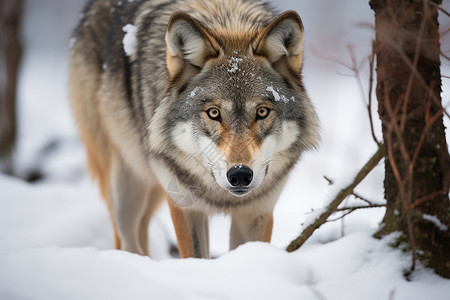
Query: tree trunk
pixel 9 63
pixel 417 162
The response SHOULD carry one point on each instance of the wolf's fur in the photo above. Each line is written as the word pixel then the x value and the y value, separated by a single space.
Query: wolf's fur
pixel 144 117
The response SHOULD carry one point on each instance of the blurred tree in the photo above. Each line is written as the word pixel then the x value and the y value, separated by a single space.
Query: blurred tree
pixel 417 162
pixel 9 62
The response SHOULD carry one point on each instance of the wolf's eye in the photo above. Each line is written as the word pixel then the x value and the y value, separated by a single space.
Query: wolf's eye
pixel 262 113
pixel 214 114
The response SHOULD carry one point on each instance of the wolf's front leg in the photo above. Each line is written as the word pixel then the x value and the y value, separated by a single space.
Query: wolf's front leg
pixel 133 202
pixel 250 227
pixel 191 227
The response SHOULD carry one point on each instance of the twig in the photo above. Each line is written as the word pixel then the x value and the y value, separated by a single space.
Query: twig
pixel 392 294
pixel 413 68
pixel 353 208
pixel 369 104
pixel 404 195
pixel 320 55
pixel 372 163
pixel 354 68
pixel 354 194
pixel 427 197
pixel 445 56
pixel 444 32
pixel 439 8
pixel 358 196
pixel 338 218
pixel 330 181
pixel 428 122
pixel 411 76
pixel 349 210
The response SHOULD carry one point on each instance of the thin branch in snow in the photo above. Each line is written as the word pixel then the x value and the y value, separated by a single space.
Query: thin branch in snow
pixel 354 194
pixel 392 294
pixel 337 200
pixel 330 181
pixel 317 293
pixel 349 210
pixel 338 218
pixel 353 208
pixel 359 197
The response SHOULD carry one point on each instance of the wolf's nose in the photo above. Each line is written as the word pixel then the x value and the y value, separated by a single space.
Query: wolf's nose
pixel 240 175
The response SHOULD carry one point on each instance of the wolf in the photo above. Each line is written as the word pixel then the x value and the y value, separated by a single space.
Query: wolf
pixel 200 102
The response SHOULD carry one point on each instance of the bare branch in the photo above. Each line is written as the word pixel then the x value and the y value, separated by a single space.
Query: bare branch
pixel 405 192
pixel 439 8
pixel 316 53
pixel 444 32
pixel 349 210
pixel 359 197
pixel 354 194
pixel 427 197
pixel 429 122
pixel 354 68
pixel 330 181
pixel 369 104
pixel 353 208
pixel 339 218
pixel 411 76
pixel 308 231
pixel 413 68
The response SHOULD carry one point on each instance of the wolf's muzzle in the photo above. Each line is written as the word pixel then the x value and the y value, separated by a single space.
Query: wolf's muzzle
pixel 240 176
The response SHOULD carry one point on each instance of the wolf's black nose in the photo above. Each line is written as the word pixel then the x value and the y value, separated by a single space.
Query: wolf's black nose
pixel 240 175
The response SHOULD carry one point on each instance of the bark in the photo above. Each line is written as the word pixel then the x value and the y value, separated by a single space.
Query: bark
pixel 9 62
pixel 417 162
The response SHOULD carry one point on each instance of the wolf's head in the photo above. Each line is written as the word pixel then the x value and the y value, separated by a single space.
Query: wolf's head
pixel 237 114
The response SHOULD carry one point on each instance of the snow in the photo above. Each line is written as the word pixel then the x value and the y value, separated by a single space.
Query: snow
pixel 435 220
pixel 277 96
pixel 195 91
pixel 56 238
pixel 129 39
pixel 46 230
pixel 346 178
pixel 234 64
pixel 72 42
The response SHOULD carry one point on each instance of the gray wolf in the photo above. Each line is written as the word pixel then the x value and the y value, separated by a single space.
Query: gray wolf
pixel 199 102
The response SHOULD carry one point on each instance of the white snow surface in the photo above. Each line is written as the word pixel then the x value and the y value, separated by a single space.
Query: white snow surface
pixel 129 39
pixel 56 239
pixel 54 242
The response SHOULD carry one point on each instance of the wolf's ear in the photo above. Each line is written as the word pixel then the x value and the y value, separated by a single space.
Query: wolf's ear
pixel 188 44
pixel 281 42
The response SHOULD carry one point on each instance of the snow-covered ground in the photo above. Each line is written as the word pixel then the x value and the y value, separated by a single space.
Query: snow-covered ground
pixel 56 238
